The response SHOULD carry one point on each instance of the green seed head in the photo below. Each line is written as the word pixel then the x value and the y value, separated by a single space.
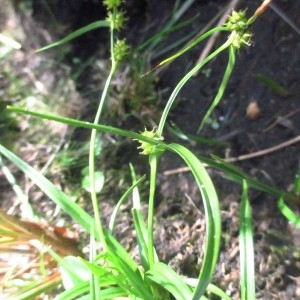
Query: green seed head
pixel 110 4
pixel 237 21
pixel 147 148
pixel 238 39
pixel 121 49
pixel 117 19
pixel 238 25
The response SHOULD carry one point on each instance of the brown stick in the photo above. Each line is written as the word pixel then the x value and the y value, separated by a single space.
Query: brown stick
pixel 243 157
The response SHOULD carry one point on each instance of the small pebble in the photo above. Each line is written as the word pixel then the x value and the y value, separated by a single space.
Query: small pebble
pixel 253 111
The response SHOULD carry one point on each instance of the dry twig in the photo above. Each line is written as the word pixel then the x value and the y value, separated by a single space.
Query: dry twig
pixel 243 157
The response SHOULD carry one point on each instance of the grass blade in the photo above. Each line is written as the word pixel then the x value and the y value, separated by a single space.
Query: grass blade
pixel 74 293
pixel 123 198
pixel 192 45
pixel 166 277
pixel 222 87
pixel 31 292
pixel 76 34
pixel 234 173
pixel 288 213
pixel 154 40
pixel 183 81
pixel 123 262
pixel 55 194
pixel 247 272
pixel 212 217
pixel 26 209
pixel 172 128
pixel 153 159
pixel 82 124
pixel 273 85
pixel 140 227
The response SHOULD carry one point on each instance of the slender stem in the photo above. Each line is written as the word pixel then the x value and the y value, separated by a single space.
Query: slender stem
pixel 102 128
pixel 153 173
pixel 223 85
pixel 183 81
pixel 99 227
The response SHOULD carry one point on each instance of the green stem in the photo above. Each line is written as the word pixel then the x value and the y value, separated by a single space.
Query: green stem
pixel 233 173
pixel 96 209
pixel 193 44
pixel 227 74
pixel 153 172
pixel 183 81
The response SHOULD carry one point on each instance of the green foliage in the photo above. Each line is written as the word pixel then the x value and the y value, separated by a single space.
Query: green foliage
pixel 246 248
pixel 111 271
pixel 170 280
pixel 272 85
pixel 75 34
pixel 288 212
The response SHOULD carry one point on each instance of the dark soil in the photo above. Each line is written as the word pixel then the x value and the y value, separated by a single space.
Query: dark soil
pixel 180 230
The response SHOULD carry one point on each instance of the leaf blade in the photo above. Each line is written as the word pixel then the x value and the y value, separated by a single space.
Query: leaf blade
pixel 76 34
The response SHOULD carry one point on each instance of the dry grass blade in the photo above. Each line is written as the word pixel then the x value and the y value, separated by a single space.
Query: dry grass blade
pixel 56 237
pixel 23 251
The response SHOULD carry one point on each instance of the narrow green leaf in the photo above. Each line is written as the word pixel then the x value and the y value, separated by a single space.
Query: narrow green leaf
pixel 212 217
pixel 272 85
pixel 166 277
pixel 153 160
pixel 107 276
pixel 120 202
pixel 194 138
pixel 193 44
pixel 288 213
pixel 26 209
pixel 82 124
pixel 142 240
pixel 139 223
pixel 76 34
pixel 182 82
pixel 155 39
pixel 55 194
pixel 108 291
pixel 93 279
pixel 218 292
pixel 211 288
pixel 227 74
pixel 123 262
pixel 133 276
pixel 74 293
pixel 234 173
pixel 247 272
pixel 112 293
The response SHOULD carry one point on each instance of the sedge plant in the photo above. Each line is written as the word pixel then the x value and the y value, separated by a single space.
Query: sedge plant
pixel 111 272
